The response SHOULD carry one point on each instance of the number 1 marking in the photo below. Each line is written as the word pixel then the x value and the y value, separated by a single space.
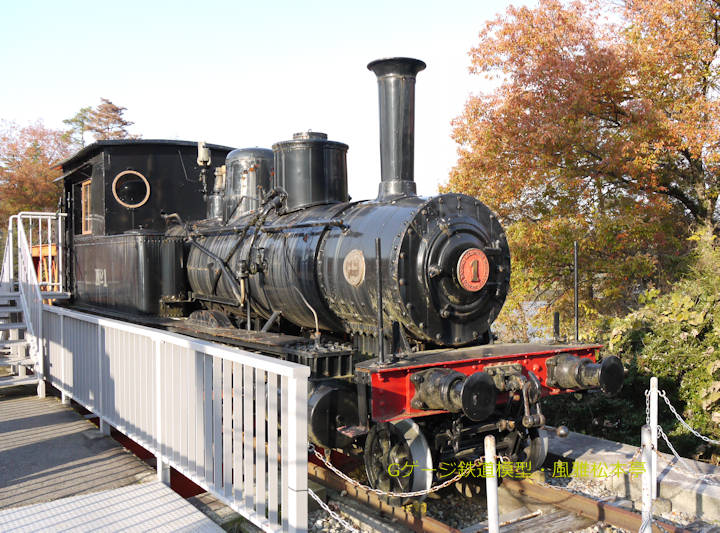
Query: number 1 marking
pixel 475 265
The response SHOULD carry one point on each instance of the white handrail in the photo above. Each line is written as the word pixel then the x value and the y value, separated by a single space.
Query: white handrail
pixel 48 232
pixel 31 301
pixel 7 274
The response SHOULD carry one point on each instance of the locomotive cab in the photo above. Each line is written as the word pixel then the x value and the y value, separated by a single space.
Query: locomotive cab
pixel 115 193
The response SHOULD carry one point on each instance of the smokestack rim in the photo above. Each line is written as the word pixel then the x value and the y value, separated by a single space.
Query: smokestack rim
pixel 396 66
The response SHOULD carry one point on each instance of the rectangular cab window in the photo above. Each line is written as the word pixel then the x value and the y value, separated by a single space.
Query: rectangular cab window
pixel 85 203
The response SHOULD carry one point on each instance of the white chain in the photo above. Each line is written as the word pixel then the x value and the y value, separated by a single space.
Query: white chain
pixel 682 421
pixel 661 433
pixel 332 513
pixel 681 460
pixel 413 494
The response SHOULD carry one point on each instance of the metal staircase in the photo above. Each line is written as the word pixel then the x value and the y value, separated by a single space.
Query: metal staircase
pixel 14 348
pixel 34 241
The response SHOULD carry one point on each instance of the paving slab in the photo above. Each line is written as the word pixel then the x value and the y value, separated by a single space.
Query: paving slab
pixel 48 451
pixel 696 493
pixel 149 506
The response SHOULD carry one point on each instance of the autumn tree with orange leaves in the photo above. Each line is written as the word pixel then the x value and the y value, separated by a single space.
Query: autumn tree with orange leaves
pixel 603 126
pixel 27 157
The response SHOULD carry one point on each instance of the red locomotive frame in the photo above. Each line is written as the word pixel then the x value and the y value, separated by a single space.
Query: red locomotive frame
pixel 393 391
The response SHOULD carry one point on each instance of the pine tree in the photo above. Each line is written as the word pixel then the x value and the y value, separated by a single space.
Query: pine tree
pixel 78 125
pixel 106 121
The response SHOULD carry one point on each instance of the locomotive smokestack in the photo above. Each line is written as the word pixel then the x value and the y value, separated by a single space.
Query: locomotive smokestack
pixel 396 88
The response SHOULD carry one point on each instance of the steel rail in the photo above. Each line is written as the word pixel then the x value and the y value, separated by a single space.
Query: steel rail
pixel 586 506
pixel 415 522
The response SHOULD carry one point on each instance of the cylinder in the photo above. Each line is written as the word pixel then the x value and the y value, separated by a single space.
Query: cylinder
pixel 311 169
pixel 332 405
pixel 173 283
pixel 396 89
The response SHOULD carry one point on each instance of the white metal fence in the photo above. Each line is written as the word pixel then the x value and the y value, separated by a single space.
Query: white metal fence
pixel 232 421
pixel 43 234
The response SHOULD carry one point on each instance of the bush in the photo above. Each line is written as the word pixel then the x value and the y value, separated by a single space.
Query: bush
pixel 676 337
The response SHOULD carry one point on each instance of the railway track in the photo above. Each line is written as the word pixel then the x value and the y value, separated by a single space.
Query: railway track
pixel 538 507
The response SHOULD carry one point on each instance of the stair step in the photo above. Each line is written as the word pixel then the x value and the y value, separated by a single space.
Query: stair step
pixel 10 309
pixel 24 361
pixel 8 342
pixel 13 381
pixel 12 325
pixel 12 294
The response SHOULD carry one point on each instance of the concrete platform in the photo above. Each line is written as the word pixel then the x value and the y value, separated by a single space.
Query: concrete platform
pixel 48 451
pixel 677 491
pixel 144 507
pixel 58 472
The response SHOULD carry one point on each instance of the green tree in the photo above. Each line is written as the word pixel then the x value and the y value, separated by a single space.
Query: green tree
pixel 602 128
pixel 77 126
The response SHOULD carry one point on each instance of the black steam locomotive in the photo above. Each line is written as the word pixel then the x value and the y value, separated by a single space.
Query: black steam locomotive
pixel 389 301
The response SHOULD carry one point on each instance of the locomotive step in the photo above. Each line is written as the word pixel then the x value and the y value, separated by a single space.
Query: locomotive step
pixel 13 325
pixel 10 309
pixel 55 295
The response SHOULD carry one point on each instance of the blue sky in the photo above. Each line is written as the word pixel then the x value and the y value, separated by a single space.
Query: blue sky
pixel 245 73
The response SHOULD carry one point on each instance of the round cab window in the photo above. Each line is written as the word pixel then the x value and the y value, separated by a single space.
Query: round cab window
pixel 131 189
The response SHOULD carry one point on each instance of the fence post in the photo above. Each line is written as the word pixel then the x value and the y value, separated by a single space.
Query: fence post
pixel 13 276
pixel 646 526
pixel 99 402
pixel 491 485
pixel 654 433
pixel 64 397
pixel 39 347
pixel 297 453
pixel 163 469
pixel 39 339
